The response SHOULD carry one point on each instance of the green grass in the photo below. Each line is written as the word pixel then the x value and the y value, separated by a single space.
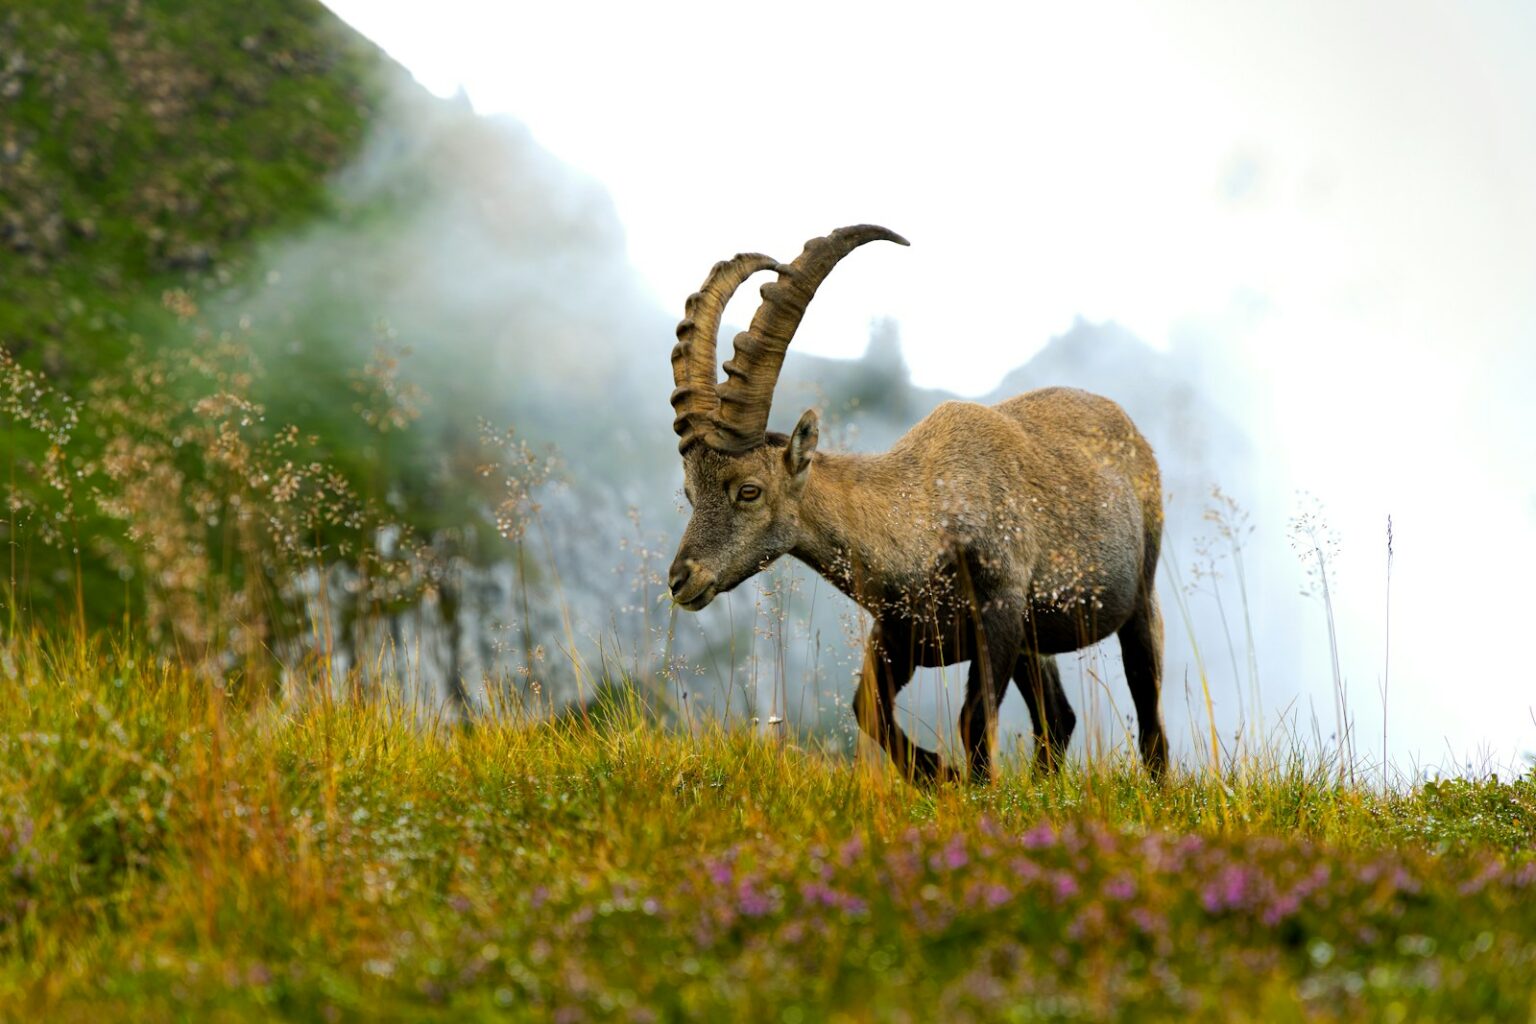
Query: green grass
pixel 143 149
pixel 172 848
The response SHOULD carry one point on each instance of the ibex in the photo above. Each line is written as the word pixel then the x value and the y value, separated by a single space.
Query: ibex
pixel 1000 535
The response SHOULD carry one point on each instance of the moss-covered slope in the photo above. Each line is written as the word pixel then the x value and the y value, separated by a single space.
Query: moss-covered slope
pixel 143 149
pixel 144 144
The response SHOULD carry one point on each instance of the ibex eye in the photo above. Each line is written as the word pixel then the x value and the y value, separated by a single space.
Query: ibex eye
pixel 749 492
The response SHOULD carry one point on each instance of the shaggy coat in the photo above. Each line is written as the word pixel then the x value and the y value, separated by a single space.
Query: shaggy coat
pixel 1000 535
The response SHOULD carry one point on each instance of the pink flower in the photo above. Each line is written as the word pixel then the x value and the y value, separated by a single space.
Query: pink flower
pixel 1040 836
pixel 952 857
pixel 1121 887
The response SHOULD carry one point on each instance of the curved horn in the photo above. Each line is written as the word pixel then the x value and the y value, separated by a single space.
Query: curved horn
pixel 753 370
pixel 694 371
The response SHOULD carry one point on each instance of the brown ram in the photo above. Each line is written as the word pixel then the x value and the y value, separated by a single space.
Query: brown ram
pixel 1000 535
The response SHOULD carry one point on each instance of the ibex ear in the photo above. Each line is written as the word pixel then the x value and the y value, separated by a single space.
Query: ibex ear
pixel 802 443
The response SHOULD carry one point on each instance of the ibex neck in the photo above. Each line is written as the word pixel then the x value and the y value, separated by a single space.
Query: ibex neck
pixel 855 524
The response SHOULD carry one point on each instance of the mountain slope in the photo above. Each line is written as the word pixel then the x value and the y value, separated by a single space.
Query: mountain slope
pixel 142 148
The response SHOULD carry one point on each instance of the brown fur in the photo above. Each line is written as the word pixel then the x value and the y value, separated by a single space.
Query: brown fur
pixel 1028 529
pixel 1000 535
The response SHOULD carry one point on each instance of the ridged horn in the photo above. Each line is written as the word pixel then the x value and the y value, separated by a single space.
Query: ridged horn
pixel 695 373
pixel 753 370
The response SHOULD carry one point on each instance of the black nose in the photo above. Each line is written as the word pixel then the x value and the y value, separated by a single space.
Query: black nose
pixel 678 575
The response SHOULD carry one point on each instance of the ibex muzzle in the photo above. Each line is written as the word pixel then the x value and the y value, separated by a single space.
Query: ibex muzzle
pixel 745 512
pixel 999 535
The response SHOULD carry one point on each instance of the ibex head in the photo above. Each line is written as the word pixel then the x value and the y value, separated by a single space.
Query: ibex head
pixel 744 483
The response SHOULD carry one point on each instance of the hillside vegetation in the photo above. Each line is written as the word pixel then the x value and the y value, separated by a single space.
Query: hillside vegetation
pixel 144 143
pixel 143 147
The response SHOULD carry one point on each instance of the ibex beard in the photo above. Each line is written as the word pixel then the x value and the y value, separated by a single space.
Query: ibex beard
pixel 999 535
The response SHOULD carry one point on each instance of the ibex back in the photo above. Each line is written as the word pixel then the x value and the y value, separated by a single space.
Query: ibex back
pixel 1000 535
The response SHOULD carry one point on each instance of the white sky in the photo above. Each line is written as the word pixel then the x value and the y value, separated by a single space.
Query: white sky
pixel 1362 174
pixel 1047 161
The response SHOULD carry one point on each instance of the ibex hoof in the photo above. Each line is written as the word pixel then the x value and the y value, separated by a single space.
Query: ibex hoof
pixel 928 770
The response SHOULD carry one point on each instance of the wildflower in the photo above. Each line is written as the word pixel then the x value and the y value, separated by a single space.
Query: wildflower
pixel 952 857
pixel 1228 891
pixel 753 903
pixel 1121 887
pixel 994 895
pixel 719 871
pixel 1041 835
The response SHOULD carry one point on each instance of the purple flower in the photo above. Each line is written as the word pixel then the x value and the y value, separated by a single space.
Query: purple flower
pixel 1475 885
pixel 1027 870
pixel 1103 839
pixel 1282 908
pixel 953 855
pixel 1041 835
pixel 1121 887
pixel 751 902
pixel 719 871
pixel 820 894
pixel 1227 891
pixel 995 895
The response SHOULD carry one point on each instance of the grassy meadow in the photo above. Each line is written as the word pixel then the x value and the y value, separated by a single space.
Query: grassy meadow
pixel 176 848
pixel 202 818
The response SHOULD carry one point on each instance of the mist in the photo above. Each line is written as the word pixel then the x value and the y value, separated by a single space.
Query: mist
pixel 505 273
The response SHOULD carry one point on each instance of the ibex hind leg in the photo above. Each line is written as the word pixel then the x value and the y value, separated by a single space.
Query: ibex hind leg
pixel 888 667
pixel 1141 645
pixel 1039 682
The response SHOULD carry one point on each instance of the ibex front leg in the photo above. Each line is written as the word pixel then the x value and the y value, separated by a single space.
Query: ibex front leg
pixel 888 666
pixel 999 633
